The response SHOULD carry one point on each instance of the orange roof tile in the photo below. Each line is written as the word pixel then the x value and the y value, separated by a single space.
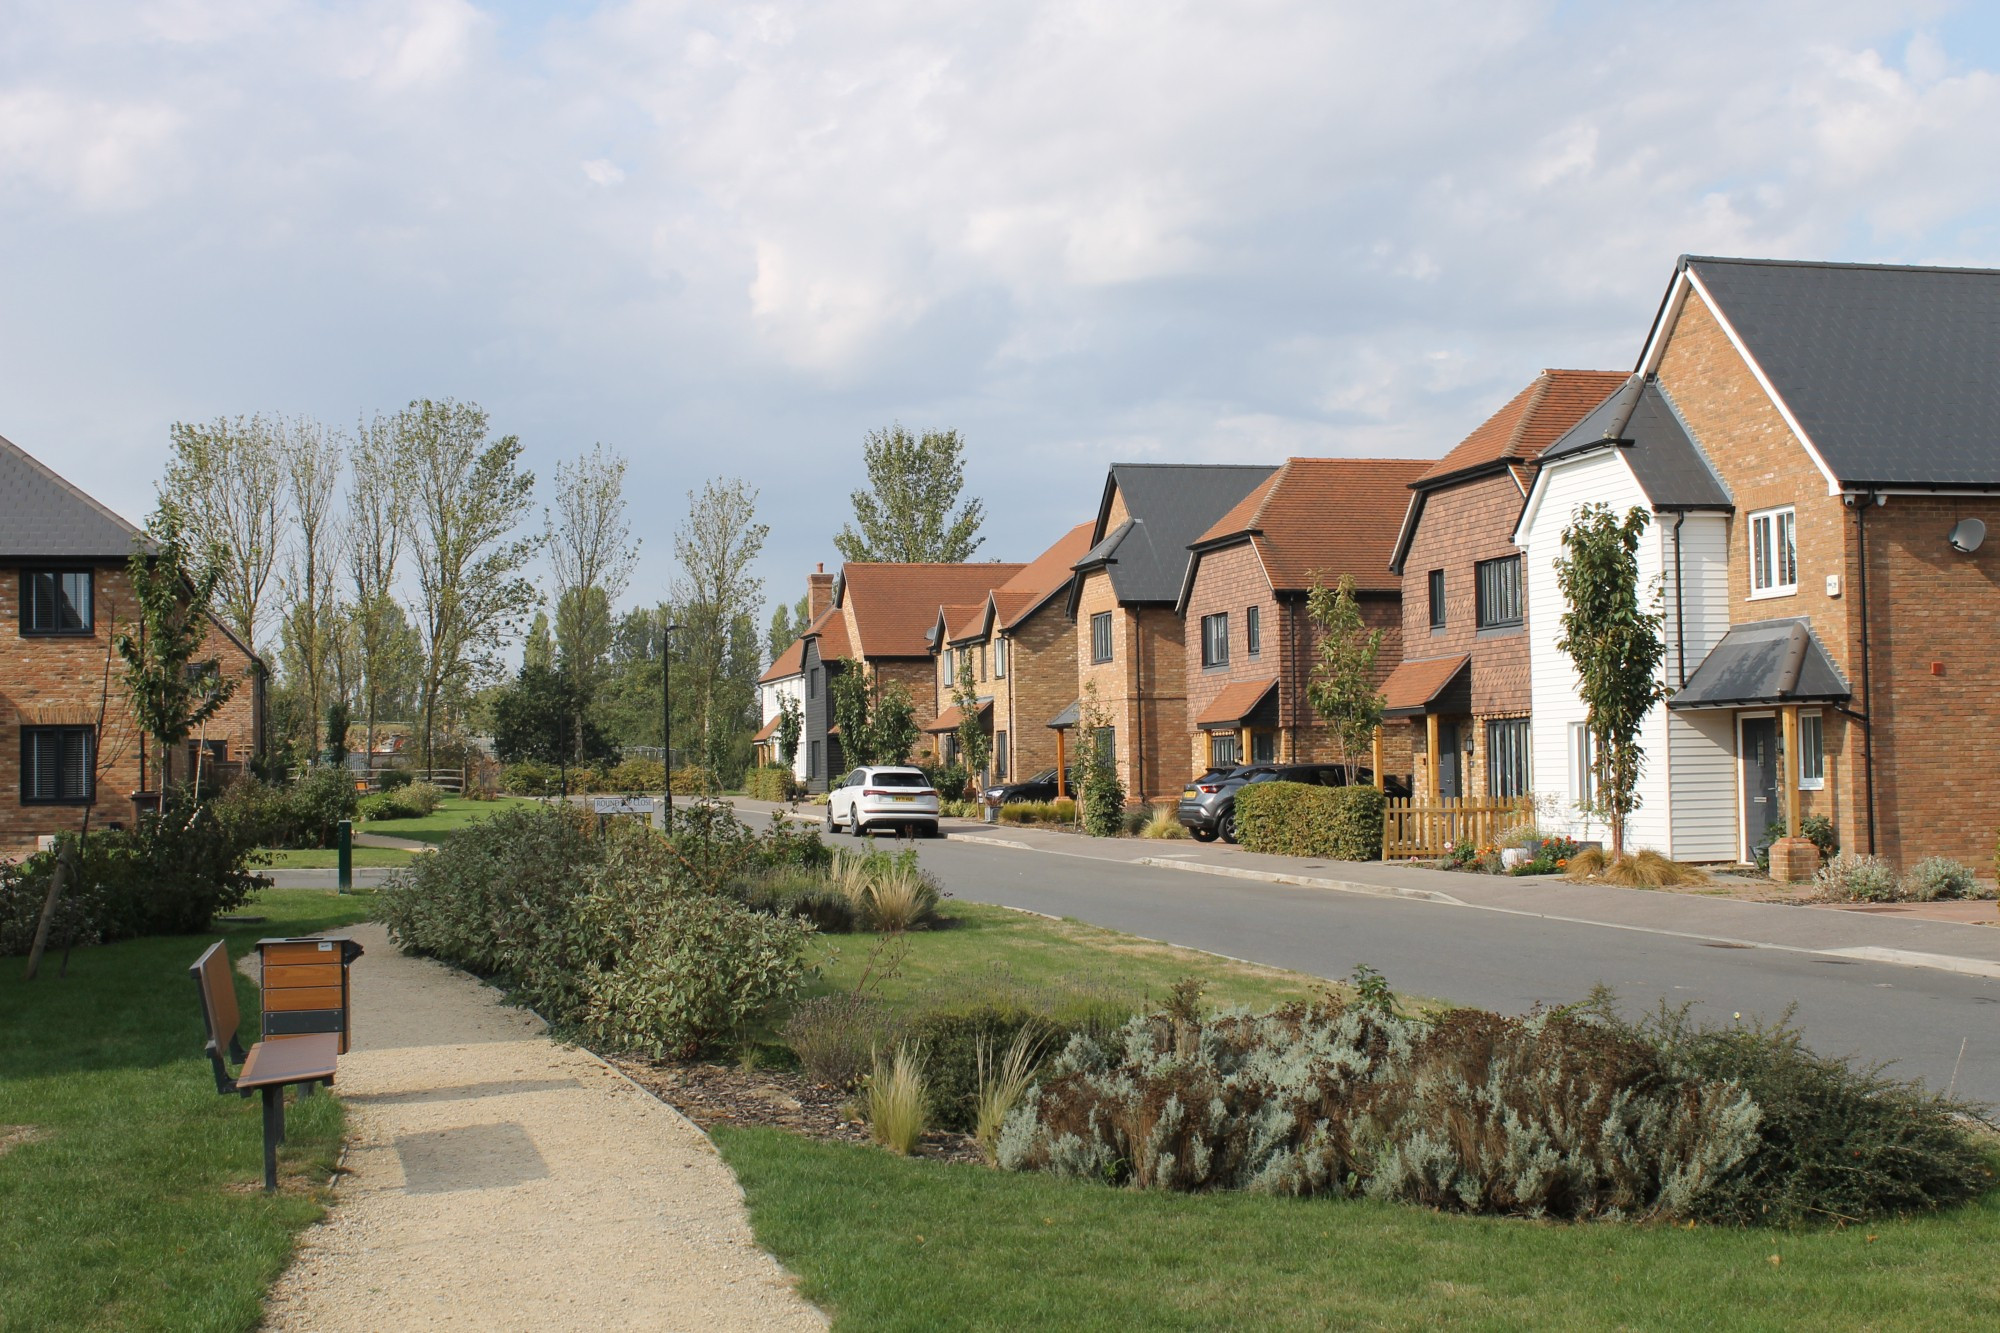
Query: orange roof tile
pixel 1327 517
pixel 949 719
pixel 1413 685
pixel 788 663
pixel 768 730
pixel 964 622
pixel 1237 701
pixel 1532 420
pixel 831 627
pixel 896 605
pixel 1043 577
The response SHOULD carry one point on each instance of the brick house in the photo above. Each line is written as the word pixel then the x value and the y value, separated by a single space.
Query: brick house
pixel 1021 644
pixel 67 595
pixel 881 616
pixel 1249 644
pixel 1815 444
pixel 1460 697
pixel 1125 604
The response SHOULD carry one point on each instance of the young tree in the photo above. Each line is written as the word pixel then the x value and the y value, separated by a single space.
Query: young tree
pixel 893 732
pixel 1616 648
pixel 376 513
pixel 791 724
pixel 467 496
pixel 906 516
pixel 787 623
pixel 591 553
pixel 171 690
pixel 717 545
pixel 1100 794
pixel 975 750
pixel 226 481
pixel 310 458
pixel 1342 689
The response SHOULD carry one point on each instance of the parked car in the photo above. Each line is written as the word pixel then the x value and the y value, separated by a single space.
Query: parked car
pixel 1041 787
pixel 1208 806
pixel 874 798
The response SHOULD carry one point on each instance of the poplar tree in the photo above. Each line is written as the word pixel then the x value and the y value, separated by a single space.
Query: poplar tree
pixel 908 513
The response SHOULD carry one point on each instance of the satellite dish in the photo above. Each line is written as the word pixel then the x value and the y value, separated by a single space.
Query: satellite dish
pixel 1966 537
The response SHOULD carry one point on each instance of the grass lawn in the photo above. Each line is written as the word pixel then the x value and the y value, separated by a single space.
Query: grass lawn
pixel 328 858
pixel 888 1243
pixel 452 817
pixel 991 952
pixel 135 1202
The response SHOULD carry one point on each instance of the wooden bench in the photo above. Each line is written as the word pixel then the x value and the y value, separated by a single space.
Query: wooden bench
pixel 270 1066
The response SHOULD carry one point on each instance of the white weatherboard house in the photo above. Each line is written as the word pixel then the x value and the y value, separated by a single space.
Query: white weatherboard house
pixel 784 679
pixel 1635 450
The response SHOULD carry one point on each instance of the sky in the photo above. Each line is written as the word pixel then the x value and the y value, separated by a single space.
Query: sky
pixel 731 239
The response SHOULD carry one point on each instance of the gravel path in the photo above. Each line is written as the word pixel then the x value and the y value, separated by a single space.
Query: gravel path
pixel 498 1180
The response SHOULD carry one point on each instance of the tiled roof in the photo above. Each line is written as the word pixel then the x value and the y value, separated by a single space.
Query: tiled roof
pixel 1413 686
pixel 788 663
pixel 1237 701
pixel 1641 422
pixel 1171 505
pixel 949 719
pixel 1889 369
pixel 1042 578
pixel 1532 420
pixel 896 605
pixel 768 730
pixel 964 622
pixel 44 515
pixel 831 630
pixel 1763 662
pixel 1327 517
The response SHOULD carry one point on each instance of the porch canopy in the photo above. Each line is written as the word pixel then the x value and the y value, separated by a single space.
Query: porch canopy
pixel 768 730
pixel 1241 704
pixel 1435 685
pixel 1763 663
pixel 949 719
pixel 1066 719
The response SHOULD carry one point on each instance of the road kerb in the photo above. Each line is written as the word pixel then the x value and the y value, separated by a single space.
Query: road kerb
pixel 1971 967
pixel 1301 881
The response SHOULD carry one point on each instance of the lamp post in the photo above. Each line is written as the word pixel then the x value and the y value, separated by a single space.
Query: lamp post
pixel 667 718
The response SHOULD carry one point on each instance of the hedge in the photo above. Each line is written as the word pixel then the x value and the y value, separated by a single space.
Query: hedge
pixel 773 782
pixel 1293 819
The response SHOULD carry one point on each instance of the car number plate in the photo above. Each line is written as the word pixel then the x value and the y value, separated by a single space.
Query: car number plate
pixel 1188 795
pixel 905 799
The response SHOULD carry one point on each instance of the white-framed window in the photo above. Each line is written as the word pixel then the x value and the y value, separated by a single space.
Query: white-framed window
pixel 1812 753
pixel 950 674
pixel 1582 765
pixel 1000 659
pixel 1774 553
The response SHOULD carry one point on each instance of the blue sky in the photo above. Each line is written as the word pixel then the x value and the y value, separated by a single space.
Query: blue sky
pixel 730 239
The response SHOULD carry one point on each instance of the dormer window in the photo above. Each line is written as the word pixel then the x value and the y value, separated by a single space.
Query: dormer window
pixel 1774 553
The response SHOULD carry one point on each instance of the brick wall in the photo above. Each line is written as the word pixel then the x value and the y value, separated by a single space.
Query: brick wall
pixel 1041 682
pixel 60 681
pixel 1143 688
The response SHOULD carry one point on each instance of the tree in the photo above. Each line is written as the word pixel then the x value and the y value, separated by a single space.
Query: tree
pixel 853 710
pixel 1342 689
pixel 1617 650
pixel 791 723
pixel 974 748
pixel 1100 795
pixel 539 647
pixel 225 481
pixel 336 732
pixel 893 732
pixel 716 595
pixel 170 690
pixel 467 497
pixel 310 458
pixel 591 552
pixel 907 515
pixel 539 718
pixel 787 624
pixel 376 513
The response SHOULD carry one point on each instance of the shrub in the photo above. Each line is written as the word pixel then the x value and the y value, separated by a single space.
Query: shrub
pixel 1103 801
pixel 834 1036
pixel 949 779
pixel 413 800
pixel 389 779
pixel 305 814
pixel 694 780
pixel 1002 1084
pixel 1163 822
pixel 1553 1114
pixel 636 775
pixel 955 1041
pixel 895 1102
pixel 804 894
pixel 1938 877
pixel 23 890
pixel 1857 879
pixel 530 779
pixel 1293 819
pixel 1818 830
pixel 959 809
pixel 1062 811
pixel 773 782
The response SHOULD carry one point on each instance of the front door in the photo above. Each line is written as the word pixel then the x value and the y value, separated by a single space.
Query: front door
pixel 1450 767
pixel 1757 744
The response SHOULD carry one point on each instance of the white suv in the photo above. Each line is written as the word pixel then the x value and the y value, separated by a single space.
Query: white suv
pixel 870 798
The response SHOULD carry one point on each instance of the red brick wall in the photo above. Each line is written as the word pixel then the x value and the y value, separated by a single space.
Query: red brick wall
pixel 1040 682
pixel 59 681
pixel 1143 688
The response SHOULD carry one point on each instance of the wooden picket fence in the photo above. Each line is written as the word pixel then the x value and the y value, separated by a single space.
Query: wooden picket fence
pixel 1413 828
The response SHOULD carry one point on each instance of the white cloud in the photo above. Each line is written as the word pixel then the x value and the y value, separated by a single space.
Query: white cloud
pixel 603 171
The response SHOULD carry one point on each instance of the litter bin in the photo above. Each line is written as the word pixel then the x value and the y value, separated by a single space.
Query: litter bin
pixel 305 985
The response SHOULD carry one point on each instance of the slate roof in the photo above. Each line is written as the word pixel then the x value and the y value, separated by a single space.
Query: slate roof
pixel 1640 420
pixel 1531 421
pixel 44 516
pixel 896 606
pixel 1066 719
pixel 1892 371
pixel 1171 505
pixel 1764 662
pixel 1238 700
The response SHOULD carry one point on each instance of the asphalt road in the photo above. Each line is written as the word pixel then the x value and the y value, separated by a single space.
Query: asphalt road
pixel 1938 1026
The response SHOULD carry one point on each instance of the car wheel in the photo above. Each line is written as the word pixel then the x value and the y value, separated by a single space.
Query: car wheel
pixel 1229 828
pixel 1202 834
pixel 855 827
pixel 829 819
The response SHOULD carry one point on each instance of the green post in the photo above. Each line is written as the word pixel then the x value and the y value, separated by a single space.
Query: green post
pixel 346 855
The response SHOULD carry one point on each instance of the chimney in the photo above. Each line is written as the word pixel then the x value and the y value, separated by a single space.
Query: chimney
pixel 819 592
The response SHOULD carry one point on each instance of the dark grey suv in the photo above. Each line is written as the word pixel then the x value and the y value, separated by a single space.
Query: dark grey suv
pixel 1208 806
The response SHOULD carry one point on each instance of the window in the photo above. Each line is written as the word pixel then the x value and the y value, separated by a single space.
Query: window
pixel 56 765
pixel 1106 740
pixel 1253 630
pixel 1774 553
pixel 1437 600
pixel 999 754
pixel 1264 747
pixel 812 692
pixel 55 601
pixel 1582 765
pixel 1215 639
pixel 1225 750
pixel 1499 588
pixel 950 674
pixel 815 765
pixel 1000 659
pixel 951 747
pixel 1812 753
pixel 1100 637
pixel 981 650
pixel 1508 769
